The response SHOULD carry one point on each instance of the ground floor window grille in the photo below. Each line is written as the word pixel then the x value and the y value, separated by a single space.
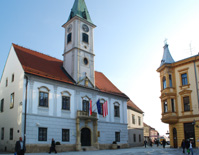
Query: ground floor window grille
pixel 42 136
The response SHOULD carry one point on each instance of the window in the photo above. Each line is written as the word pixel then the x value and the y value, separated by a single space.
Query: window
pixel 134 137
pixel 85 37
pixel 43 96
pixel 2 133
pixel 85 105
pixel 165 106
pixel 65 103
pixel 133 119
pixel 65 135
pixel 12 101
pixel 117 136
pixel 6 82
pixel 11 133
pixel 172 105
pixel 116 111
pixel 139 120
pixel 2 105
pixel 13 77
pixel 101 108
pixel 184 79
pixel 164 82
pixel 170 80
pixel 43 99
pixel 69 38
pixel 140 138
pixel 186 103
pixel 42 135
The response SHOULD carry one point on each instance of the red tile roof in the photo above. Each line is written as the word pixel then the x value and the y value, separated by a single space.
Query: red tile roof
pixel 133 106
pixel 48 67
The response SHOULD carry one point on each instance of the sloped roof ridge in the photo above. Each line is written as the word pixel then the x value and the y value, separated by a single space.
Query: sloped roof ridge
pixel 40 53
pixel 131 104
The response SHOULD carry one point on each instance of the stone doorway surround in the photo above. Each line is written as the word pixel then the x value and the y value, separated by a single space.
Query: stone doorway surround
pixel 82 115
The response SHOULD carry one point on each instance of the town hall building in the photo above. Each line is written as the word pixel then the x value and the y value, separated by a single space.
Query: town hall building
pixel 42 97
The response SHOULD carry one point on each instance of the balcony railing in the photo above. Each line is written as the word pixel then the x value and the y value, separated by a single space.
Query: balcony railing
pixel 85 115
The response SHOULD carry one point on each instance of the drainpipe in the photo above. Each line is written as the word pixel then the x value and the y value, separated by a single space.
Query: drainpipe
pixel 25 110
pixel 196 81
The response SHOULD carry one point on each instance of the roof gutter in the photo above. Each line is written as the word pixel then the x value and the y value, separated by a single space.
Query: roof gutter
pixel 25 110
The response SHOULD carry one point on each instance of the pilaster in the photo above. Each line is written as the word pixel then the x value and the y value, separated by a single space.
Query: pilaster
pixel 78 144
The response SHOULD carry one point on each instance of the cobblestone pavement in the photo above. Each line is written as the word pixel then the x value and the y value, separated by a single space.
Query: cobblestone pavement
pixel 131 151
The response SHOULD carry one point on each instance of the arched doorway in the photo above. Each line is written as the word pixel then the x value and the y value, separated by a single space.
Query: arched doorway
pixel 85 137
pixel 175 139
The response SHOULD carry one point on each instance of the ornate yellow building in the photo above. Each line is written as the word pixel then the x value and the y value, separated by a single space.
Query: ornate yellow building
pixel 180 97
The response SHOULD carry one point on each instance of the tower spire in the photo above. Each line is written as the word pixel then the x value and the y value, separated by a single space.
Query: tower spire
pixel 79 9
pixel 167 58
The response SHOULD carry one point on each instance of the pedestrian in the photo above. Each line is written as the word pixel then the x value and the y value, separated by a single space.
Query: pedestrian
pixel 145 142
pixel 183 145
pixel 151 144
pixel 52 147
pixel 187 145
pixel 191 147
pixel 157 142
pixel 163 143
pixel 20 147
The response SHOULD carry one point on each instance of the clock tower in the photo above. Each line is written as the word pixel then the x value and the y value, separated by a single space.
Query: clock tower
pixel 78 46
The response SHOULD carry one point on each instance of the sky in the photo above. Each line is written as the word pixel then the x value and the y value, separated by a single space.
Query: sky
pixel 128 40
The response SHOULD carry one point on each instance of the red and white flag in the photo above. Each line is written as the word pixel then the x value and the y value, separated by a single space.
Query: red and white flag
pixel 90 108
pixel 105 109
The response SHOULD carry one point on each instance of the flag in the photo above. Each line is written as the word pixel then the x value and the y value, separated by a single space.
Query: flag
pixel 105 109
pixel 98 107
pixel 90 108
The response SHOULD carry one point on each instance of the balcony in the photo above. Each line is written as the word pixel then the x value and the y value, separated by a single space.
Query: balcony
pixel 85 115
pixel 169 118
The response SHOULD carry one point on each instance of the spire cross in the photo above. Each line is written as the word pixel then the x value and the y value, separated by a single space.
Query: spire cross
pixel 165 41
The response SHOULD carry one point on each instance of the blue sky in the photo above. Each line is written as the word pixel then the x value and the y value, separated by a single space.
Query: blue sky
pixel 128 39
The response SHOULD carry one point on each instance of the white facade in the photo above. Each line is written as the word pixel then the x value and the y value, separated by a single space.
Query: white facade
pixel 135 128
pixel 46 122
pixel 11 118
pixel 53 118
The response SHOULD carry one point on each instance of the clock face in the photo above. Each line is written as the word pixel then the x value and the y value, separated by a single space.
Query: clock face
pixel 69 28
pixel 85 28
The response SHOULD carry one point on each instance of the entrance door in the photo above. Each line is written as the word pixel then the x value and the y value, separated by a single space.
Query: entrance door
pixel 175 139
pixel 189 132
pixel 85 137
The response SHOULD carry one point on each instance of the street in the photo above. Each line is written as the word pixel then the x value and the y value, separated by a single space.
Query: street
pixel 131 151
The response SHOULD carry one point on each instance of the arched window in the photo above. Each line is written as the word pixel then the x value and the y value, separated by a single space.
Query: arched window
pixel 164 82
pixel 116 109
pixel 85 104
pixel 65 100
pixel 43 96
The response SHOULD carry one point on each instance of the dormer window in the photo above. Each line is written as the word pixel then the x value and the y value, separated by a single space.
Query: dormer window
pixel 84 15
pixel 85 37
